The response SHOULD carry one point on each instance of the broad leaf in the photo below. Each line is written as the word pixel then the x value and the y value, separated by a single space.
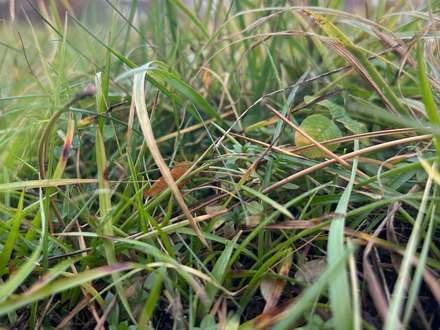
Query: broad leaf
pixel 321 129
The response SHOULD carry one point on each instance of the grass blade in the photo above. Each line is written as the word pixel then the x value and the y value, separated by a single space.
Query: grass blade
pixel 428 99
pixel 139 99
pixel 339 288
pixel 158 70
pixel 106 225
pixel 220 270
pixel 288 318
pixel 193 18
pixel 8 246
pixel 393 320
pixel 39 292
pixel 354 55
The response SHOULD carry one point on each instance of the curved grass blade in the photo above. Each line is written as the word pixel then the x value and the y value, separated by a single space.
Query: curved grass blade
pixel 141 109
pixel 157 70
pixel 39 292
pixel 355 56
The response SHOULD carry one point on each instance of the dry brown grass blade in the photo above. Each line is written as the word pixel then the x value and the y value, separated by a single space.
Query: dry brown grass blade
pixel 346 156
pixel 391 233
pixel 357 65
pixel 398 47
pixel 313 223
pixel 374 285
pixel 432 281
pixel 223 314
pixel 85 301
pixel 390 229
pixel 191 128
pixel 100 325
pixel 380 299
pixel 267 319
pixel 295 151
pixel 141 110
pixel 356 57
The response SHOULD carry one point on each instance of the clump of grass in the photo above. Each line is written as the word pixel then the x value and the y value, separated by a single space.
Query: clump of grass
pixel 247 229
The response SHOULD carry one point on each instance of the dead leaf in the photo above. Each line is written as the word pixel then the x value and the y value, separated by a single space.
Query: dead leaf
pixel 176 173
pixel 272 289
pixel 311 271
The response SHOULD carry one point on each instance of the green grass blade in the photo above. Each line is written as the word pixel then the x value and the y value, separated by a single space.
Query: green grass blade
pixel 111 49
pixel 269 201
pixel 40 292
pixel 220 270
pixel 19 277
pixel 188 13
pixel 398 297
pixel 8 246
pixel 153 298
pixel 339 288
pixel 106 226
pixel 427 97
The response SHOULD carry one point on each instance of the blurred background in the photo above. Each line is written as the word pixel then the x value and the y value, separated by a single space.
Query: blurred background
pixel 20 9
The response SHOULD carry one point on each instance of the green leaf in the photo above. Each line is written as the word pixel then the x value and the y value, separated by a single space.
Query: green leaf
pixel 254 208
pixel 339 114
pixel 321 129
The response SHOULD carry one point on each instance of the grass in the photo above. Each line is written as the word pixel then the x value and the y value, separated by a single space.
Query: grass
pixel 155 175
